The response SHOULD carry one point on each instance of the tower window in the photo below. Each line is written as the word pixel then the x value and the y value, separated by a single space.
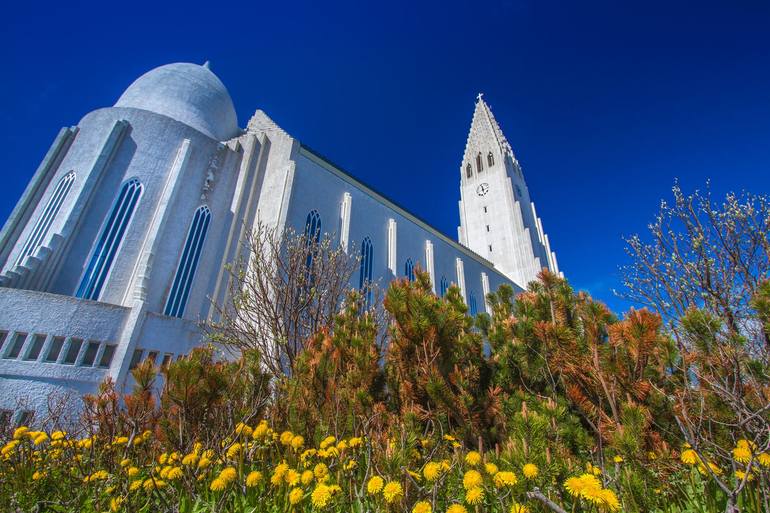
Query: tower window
pixel 487 227
pixel 468 171
pixel 490 248
pixel 180 289
pixel 109 240
pixel 479 164
pixel 490 159
pixel 37 237
pixel 365 280
pixel 409 269
pixel 485 209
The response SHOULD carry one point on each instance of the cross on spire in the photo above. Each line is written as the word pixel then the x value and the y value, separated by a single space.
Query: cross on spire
pixel 480 96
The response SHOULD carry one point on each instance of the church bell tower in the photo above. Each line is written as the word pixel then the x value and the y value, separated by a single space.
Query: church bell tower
pixel 498 220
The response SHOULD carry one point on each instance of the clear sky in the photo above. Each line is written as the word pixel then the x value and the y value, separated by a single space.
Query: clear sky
pixel 604 103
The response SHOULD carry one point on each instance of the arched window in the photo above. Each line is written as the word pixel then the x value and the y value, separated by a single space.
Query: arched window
pixel 409 269
pixel 185 272
pixel 469 171
pixel 472 304
pixel 444 286
pixel 313 226
pixel 479 163
pixel 109 240
pixel 367 254
pixel 490 159
pixel 312 234
pixel 37 236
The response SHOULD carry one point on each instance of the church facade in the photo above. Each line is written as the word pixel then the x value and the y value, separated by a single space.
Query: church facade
pixel 117 247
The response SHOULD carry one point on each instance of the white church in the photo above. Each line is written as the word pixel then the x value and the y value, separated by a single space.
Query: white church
pixel 117 248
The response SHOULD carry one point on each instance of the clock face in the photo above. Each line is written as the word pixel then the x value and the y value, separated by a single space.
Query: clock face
pixel 482 189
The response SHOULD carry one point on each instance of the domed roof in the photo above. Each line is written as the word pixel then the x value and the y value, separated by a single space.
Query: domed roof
pixel 188 93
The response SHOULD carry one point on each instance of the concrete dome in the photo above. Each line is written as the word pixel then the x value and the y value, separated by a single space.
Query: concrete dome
pixel 188 93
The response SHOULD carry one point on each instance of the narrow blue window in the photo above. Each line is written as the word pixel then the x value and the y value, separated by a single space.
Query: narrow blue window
pixel 109 240
pixel 365 280
pixel 312 234
pixel 185 272
pixel 409 269
pixel 472 304
pixel 37 236
pixel 444 286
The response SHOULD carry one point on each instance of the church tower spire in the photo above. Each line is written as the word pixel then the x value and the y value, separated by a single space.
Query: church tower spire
pixel 498 219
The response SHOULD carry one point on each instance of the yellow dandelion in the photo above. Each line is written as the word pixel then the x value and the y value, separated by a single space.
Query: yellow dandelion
pixel 120 440
pixel 355 442
pixel 422 507
pixel 307 477
pixel 374 486
pixel 132 471
pixel 490 469
pixel 456 508
pixel 116 503
pixel 321 496
pixel 593 469
pixel 320 471
pixel 473 458
pixel 59 435
pixel 607 500
pixel 431 471
pixel 242 429
pixel 741 475
pixel 190 459
pixel 742 454
pixel 342 445
pixel 286 437
pixel 518 508
pixel 450 438
pixel 764 459
pixel 295 496
pixel 204 462
pixel 38 475
pixel 253 479
pixel 151 484
pixel 472 479
pixel 297 442
pixel 618 458
pixel 40 438
pixel 505 478
pixel 174 473
pixel 530 471
pixel 392 492
pixel 688 457
pixel 125 462
pixel 350 465
pixel 260 431
pixel 291 477
pixel 228 474
pixel 20 432
pixel 234 451
pixel 474 496
pixel 326 442
pixel 135 485
pixel 218 484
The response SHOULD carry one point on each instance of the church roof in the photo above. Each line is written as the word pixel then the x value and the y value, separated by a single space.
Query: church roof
pixel 188 93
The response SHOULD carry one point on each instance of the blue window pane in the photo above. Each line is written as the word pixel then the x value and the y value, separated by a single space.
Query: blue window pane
pixel 37 236
pixel 444 286
pixel 109 240
pixel 365 277
pixel 188 263
pixel 409 269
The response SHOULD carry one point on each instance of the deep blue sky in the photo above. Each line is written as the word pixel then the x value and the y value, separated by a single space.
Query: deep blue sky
pixel 604 103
